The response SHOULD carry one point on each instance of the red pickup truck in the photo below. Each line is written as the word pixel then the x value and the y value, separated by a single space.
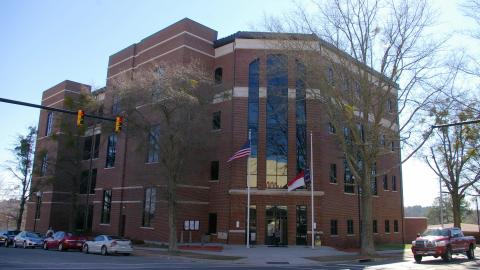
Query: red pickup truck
pixel 443 242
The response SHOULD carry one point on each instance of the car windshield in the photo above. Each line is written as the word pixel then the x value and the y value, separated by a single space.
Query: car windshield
pixel 13 232
pixel 32 235
pixel 435 232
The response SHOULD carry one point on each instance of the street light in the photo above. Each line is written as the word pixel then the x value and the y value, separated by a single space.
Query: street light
pixel 37 209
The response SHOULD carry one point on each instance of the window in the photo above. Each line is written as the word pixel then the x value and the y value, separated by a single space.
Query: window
pixel 49 126
pixel 387 226
pixel 116 108
pixel 212 223
pixel 346 134
pixel 333 173
pixel 84 182
pixel 330 77
pixel 214 170
pixel 358 88
pixel 87 146
pixel 394 183
pixel 375 226
pixel 93 181
pixel 382 140
pixel 149 201
pixel 253 94
pixel 216 120
pixel 385 182
pixel 44 165
pixel 395 226
pixel 350 226
pixel 277 121
pixel 331 128
pixel 301 117
pixel 218 75
pixel 106 206
pixel 374 180
pixel 112 142
pixel 390 105
pixel 348 181
pixel 153 144
pixel 361 132
pixel 392 146
pixel 333 227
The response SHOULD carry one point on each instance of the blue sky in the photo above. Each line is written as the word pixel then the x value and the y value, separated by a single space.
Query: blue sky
pixel 46 42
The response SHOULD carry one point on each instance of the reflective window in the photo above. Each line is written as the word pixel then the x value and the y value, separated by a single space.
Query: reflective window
pixel 253 89
pixel 217 120
pixel 106 206
pixel 387 226
pixel 153 144
pixel 385 182
pixel 49 127
pixel 218 75
pixel 44 166
pixel 394 183
pixel 333 173
pixel 349 183
pixel 301 118
pixel 149 206
pixel 277 121
pixel 333 227
pixel 350 226
pixel 111 151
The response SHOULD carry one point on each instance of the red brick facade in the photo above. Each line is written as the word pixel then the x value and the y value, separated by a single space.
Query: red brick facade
pixel 226 197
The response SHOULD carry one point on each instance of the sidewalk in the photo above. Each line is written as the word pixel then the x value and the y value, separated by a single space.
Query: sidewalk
pixel 264 255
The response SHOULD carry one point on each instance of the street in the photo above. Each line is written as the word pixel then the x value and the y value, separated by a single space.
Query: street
pixel 11 258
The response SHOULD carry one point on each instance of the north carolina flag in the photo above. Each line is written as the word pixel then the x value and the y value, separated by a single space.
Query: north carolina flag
pixel 298 181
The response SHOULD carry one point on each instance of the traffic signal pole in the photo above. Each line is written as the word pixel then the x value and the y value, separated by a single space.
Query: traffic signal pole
pixel 21 103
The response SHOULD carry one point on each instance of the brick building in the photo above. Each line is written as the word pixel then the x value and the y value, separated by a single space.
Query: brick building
pixel 124 196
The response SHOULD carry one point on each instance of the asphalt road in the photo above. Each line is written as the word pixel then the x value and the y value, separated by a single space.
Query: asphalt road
pixel 11 258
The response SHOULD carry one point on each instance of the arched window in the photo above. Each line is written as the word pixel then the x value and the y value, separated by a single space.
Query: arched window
pixel 218 75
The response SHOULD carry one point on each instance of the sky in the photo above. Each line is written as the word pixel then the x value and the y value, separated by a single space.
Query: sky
pixel 46 42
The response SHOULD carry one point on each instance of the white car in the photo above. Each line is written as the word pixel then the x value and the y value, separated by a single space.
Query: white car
pixel 27 239
pixel 108 244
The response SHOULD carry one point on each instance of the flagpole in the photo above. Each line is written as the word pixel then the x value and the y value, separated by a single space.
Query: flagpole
pixel 248 189
pixel 311 189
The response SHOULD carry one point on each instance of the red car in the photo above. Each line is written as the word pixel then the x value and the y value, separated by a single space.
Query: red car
pixel 443 243
pixel 63 241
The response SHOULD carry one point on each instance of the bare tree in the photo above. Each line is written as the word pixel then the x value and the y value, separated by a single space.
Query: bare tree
pixel 21 168
pixel 166 108
pixel 374 66
pixel 454 152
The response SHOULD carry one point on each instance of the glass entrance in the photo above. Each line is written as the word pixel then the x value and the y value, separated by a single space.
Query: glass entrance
pixel 276 225
pixel 301 225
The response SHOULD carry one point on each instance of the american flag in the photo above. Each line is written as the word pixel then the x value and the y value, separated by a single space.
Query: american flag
pixel 243 152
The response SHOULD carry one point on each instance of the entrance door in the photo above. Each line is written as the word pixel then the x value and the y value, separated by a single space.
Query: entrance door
pixel 276 225
pixel 301 225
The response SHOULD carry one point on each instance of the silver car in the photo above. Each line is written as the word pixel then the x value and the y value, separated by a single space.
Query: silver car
pixel 27 239
pixel 108 244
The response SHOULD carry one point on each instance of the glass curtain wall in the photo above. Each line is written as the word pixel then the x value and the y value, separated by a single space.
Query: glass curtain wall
pixel 253 89
pixel 277 121
pixel 300 111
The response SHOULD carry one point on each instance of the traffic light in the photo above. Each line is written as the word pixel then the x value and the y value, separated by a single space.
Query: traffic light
pixel 118 124
pixel 80 118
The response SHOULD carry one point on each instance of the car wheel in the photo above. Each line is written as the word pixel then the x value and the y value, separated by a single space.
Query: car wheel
pixel 85 249
pixel 448 255
pixel 45 246
pixel 6 244
pixel 14 244
pixel 60 247
pixel 471 253
pixel 104 251
pixel 418 258
pixel 24 244
pixel 126 254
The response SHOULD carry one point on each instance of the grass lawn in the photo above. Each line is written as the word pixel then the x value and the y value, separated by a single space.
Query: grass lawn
pixel 393 247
